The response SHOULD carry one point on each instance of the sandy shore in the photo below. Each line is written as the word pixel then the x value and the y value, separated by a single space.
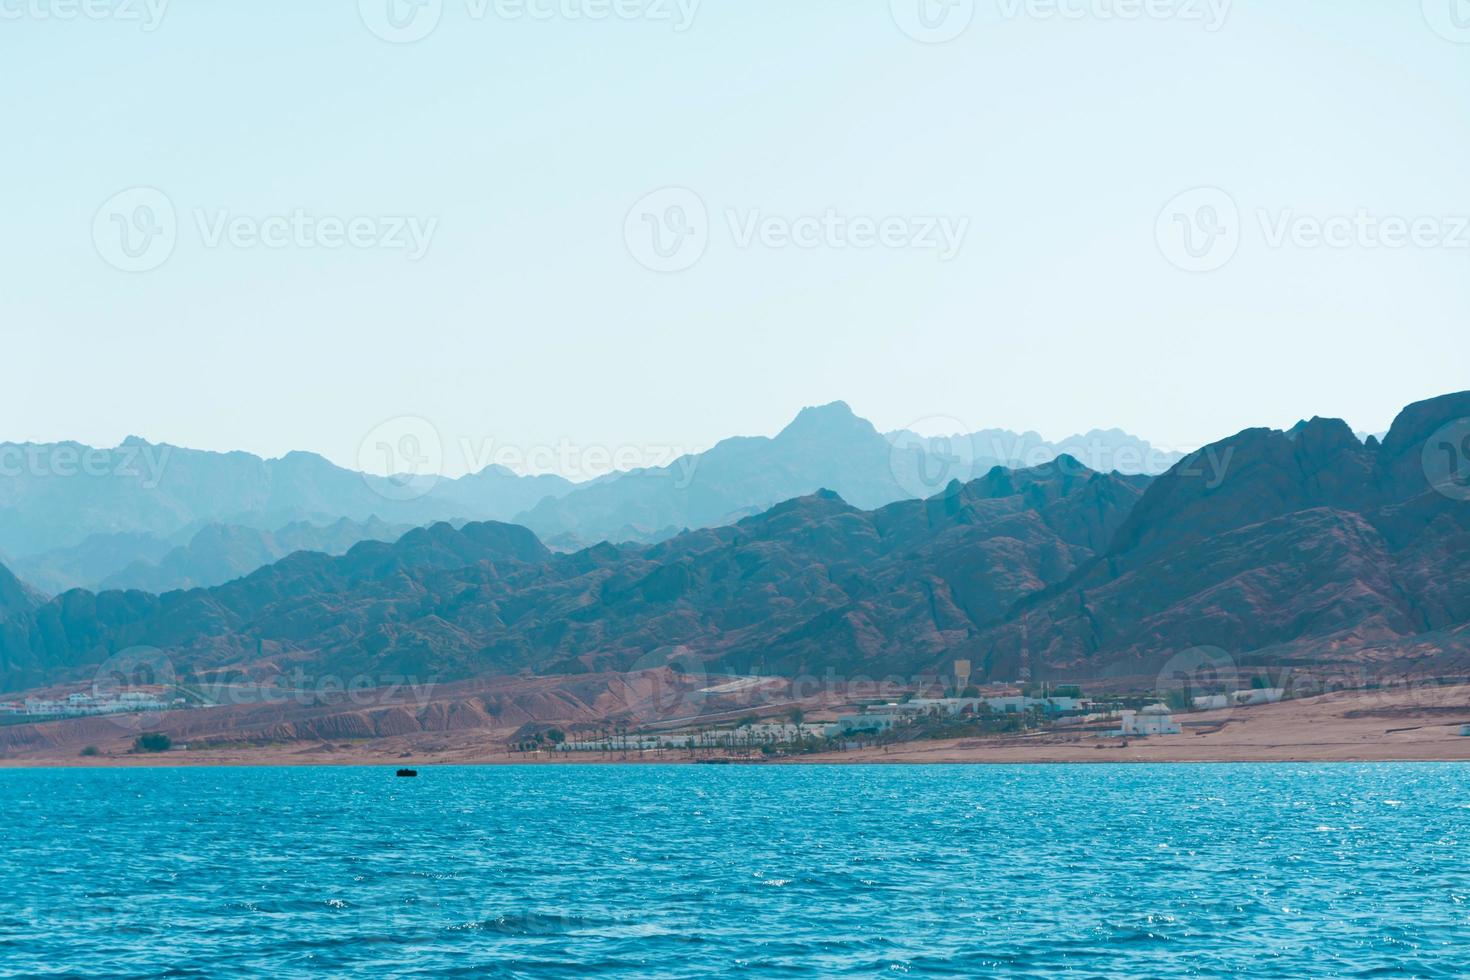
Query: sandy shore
pixel 1417 725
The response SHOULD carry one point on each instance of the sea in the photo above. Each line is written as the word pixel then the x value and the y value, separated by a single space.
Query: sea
pixel 645 871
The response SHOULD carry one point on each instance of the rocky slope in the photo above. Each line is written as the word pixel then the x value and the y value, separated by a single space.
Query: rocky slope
pixel 810 584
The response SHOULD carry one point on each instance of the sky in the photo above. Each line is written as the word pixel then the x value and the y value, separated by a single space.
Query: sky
pixel 536 231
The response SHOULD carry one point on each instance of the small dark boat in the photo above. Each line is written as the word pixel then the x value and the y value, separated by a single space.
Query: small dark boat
pixel 408 772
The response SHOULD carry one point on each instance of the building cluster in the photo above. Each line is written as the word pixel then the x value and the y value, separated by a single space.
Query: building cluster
pixel 885 717
pixel 1239 699
pixel 80 705
pixel 743 736
pixel 1155 719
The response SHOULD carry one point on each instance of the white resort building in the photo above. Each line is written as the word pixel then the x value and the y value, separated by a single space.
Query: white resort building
pixel 1153 720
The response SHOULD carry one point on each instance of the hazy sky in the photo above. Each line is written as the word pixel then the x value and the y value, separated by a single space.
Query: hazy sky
pixel 990 231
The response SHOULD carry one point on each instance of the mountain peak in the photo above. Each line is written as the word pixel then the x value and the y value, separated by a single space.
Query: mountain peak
pixel 826 421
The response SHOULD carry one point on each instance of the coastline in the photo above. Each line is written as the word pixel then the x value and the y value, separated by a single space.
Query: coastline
pixel 1409 725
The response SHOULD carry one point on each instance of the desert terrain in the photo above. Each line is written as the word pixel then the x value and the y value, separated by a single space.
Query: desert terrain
pixel 475 725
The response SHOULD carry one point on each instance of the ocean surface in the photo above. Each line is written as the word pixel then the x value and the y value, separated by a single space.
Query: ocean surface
pixel 645 871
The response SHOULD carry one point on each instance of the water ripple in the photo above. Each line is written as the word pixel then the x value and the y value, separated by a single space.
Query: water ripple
pixel 674 872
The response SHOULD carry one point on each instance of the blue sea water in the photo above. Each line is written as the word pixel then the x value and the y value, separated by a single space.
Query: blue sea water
pixel 585 871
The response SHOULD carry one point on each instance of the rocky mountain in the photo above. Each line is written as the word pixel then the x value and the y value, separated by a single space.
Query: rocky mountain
pixel 810 584
pixel 16 598
pixel 1305 549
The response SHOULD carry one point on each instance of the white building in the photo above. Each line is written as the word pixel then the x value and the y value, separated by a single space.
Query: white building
pixel 1210 702
pixel 868 721
pixel 1260 695
pixel 1153 720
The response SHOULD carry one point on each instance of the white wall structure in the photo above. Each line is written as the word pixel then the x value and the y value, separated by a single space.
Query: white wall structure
pixel 1153 720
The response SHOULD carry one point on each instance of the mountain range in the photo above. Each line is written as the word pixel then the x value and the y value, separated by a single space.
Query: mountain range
pixel 158 517
pixel 1303 548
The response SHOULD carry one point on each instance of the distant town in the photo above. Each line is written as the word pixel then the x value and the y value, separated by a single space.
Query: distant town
pixel 81 705
pixel 966 710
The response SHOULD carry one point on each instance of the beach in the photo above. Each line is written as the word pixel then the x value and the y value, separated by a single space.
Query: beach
pixel 1415 724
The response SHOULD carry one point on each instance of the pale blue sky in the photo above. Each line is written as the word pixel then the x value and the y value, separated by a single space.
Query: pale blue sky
pixel 528 321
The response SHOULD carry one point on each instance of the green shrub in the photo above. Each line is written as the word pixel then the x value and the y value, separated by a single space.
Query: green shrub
pixel 91 750
pixel 152 742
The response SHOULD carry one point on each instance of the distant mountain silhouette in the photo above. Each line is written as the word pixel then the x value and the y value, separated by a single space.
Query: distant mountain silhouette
pixel 824 447
pixel 965 456
pixel 59 495
pixel 221 552
pixel 76 517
